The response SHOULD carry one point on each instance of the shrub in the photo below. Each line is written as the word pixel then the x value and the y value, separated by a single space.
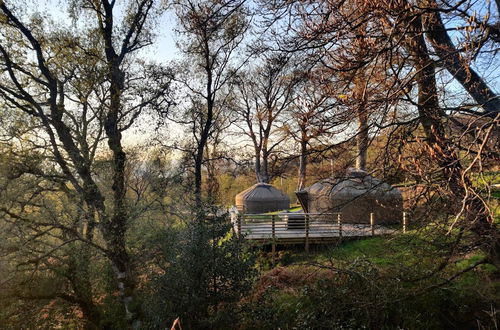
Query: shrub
pixel 357 294
pixel 205 271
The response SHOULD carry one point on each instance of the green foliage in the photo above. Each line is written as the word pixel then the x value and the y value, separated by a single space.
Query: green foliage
pixel 486 178
pixel 230 186
pixel 373 284
pixel 204 271
pixel 268 260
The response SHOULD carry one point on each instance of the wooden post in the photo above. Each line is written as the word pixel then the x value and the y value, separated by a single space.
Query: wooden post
pixel 339 222
pixel 273 231
pixel 238 223
pixel 307 233
pixel 372 223
pixel 404 222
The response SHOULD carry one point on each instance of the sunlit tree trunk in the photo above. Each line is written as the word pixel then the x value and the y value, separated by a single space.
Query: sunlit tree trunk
pixel 440 149
pixel 302 165
pixel 264 169
pixel 257 166
pixel 436 33
pixel 362 136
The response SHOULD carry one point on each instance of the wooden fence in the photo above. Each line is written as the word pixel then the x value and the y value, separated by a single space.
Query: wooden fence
pixel 304 228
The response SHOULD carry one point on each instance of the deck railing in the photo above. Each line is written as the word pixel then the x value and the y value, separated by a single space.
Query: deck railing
pixel 289 227
pixel 305 228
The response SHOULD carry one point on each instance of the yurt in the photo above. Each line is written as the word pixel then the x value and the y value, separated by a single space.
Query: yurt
pixel 262 198
pixel 355 196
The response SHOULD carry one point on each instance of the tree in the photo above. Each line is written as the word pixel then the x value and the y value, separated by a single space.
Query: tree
pixel 477 217
pixel 454 61
pixel 314 117
pixel 206 272
pixel 398 31
pixel 79 89
pixel 212 33
pixel 264 95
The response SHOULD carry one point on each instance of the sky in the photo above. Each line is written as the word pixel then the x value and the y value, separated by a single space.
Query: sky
pixel 164 49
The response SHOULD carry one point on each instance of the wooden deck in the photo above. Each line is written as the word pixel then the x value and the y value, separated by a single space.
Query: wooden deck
pixel 302 228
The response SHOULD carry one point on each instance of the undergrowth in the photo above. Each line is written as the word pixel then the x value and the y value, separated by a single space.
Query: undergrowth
pixel 375 283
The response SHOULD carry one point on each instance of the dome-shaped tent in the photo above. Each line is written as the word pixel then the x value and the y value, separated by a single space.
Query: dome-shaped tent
pixel 261 198
pixel 355 196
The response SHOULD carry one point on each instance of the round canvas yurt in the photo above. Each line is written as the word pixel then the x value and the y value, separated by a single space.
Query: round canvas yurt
pixel 261 198
pixel 355 196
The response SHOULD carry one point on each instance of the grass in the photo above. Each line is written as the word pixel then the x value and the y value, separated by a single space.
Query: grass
pixel 407 264
pixel 486 178
pixel 386 253
pixel 292 209
pixel 389 267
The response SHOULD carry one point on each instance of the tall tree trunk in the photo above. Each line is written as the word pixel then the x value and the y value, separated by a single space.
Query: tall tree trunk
pixel 302 160
pixel 205 132
pixel 360 98
pixel 212 182
pixel 258 167
pixel 362 137
pixel 198 165
pixel 117 224
pixel 264 172
pixel 440 149
pixel 438 36
pixel 198 180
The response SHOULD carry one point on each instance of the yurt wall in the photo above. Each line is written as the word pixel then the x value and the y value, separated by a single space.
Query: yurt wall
pixel 355 196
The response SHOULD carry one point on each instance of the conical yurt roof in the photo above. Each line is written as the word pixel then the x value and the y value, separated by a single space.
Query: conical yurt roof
pixel 355 195
pixel 262 197
pixel 354 184
pixel 262 192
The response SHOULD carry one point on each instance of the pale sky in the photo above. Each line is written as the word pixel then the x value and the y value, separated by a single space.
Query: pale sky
pixel 164 50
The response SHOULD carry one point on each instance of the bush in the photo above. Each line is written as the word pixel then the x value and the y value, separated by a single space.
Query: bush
pixel 357 294
pixel 205 270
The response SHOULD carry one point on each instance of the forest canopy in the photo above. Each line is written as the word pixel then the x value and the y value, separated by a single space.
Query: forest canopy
pixel 128 128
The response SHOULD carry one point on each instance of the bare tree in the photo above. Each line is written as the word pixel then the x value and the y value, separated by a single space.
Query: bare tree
pixel 212 32
pixel 314 119
pixel 264 95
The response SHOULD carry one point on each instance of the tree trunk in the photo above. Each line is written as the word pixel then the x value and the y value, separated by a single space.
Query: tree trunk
pixel 302 161
pixel 257 168
pixel 360 98
pixel 451 59
pixel 198 161
pixel 440 149
pixel 204 134
pixel 264 172
pixel 117 226
pixel 362 137
pixel 212 182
